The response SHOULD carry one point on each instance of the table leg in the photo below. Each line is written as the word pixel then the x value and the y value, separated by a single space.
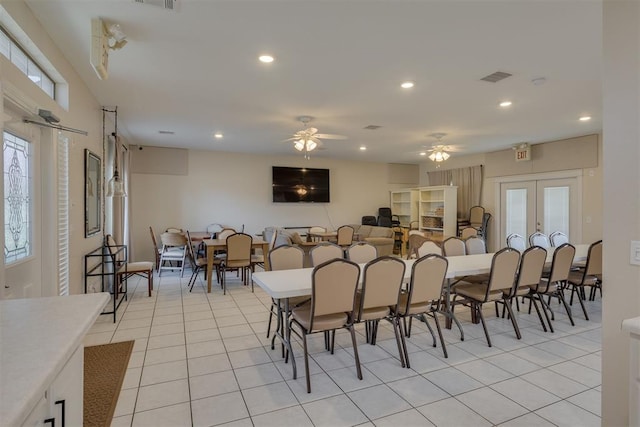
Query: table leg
pixel 210 251
pixel 265 252
pixel 287 339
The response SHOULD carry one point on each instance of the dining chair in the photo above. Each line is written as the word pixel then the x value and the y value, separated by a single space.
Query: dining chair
pixel 333 290
pixel 200 263
pixel 270 235
pixel 174 230
pixel 454 246
pixel 475 245
pixel 423 298
pixel 285 257
pixel 539 239
pixel 238 257
pixel 476 216
pixel 123 269
pixel 553 285
pixel 516 241
pixel 378 298
pixel 156 249
pixel 316 229
pixel 428 248
pixel 416 240
pixel 362 252
pixel 504 266
pixel 558 238
pixel 174 250
pixel 345 236
pixel 467 232
pixel 324 252
pixel 590 275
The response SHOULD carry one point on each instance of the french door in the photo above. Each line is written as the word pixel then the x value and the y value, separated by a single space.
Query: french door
pixel 544 205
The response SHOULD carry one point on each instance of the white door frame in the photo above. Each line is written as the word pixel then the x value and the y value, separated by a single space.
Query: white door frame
pixel 571 173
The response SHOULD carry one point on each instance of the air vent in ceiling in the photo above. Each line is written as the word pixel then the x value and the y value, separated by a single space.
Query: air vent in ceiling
pixel 496 77
pixel 166 132
pixel 165 4
pixel 372 127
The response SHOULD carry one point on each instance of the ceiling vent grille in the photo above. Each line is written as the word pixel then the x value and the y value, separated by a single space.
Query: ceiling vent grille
pixel 165 4
pixel 372 127
pixel 496 77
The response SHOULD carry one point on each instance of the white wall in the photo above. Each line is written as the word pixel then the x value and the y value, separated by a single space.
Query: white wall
pixel 235 189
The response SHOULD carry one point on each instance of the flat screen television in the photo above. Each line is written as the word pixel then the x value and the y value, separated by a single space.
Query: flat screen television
pixel 300 185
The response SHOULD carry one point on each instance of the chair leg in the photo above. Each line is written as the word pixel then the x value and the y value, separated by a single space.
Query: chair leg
pixel 581 301
pixel 150 278
pixel 566 306
pixel 433 336
pixel 545 309
pixel 535 304
pixel 396 326
pixel 402 326
pixel 355 351
pixel 514 322
pixel 442 343
pixel 306 360
pixel 484 325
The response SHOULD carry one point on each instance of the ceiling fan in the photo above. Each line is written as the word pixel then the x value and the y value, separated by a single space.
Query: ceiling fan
pixel 439 152
pixel 309 139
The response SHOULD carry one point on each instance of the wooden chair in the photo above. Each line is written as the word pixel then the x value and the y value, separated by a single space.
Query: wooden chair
pixel 333 290
pixel 157 250
pixel 124 269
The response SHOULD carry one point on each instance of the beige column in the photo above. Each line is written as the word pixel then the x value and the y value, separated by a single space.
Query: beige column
pixel 621 215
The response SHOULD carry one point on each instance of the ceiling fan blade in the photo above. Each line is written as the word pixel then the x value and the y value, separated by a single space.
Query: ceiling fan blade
pixel 329 136
pixel 311 131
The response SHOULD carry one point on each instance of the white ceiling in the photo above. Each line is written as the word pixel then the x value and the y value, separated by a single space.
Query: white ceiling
pixel 195 71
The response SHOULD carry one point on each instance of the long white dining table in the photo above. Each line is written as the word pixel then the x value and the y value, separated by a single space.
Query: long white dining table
pixel 285 284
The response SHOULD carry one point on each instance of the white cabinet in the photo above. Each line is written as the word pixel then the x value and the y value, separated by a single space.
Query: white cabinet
pixel 404 204
pixel 437 210
pixel 63 399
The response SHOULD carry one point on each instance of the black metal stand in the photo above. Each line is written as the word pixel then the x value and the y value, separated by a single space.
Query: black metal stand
pixel 99 263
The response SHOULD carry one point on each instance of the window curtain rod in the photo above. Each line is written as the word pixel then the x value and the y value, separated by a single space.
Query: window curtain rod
pixel 59 127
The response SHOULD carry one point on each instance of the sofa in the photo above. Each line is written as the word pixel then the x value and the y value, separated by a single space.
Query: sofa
pixel 380 237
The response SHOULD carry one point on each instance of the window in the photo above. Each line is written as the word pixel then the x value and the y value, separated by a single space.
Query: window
pixel 20 58
pixel 18 189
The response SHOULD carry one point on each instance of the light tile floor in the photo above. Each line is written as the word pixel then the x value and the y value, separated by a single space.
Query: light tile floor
pixel 203 359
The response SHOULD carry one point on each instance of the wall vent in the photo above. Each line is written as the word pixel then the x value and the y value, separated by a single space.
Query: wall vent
pixel 372 127
pixel 496 77
pixel 165 4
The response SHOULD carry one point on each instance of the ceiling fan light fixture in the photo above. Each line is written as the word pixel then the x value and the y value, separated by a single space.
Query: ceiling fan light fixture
pixel 299 145
pixel 311 145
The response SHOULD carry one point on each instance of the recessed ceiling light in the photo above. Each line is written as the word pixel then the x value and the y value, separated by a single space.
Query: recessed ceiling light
pixel 266 59
pixel 422 153
pixel 585 118
pixel 505 104
pixel 217 135
pixel 363 148
pixel 407 85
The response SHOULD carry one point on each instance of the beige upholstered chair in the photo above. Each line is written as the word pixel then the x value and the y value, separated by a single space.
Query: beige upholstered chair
pixel 345 236
pixel 200 263
pixel 333 289
pixel 378 298
pixel 284 257
pixel 504 266
pixel 238 257
pixel 362 252
pixel 324 252
pixel 476 215
pixel 174 230
pixel 316 229
pixel 517 242
pixel 589 276
pixel 552 286
pixel 417 241
pixel 558 238
pixel 423 298
pixel 429 248
pixel 124 269
pixel 475 245
pixel 454 246
pixel 468 232
pixel 539 239
pixel 174 251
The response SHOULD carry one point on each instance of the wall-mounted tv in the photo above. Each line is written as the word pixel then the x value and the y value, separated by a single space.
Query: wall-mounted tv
pixel 295 185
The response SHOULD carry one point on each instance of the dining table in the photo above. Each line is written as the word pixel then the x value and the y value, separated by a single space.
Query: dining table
pixel 285 284
pixel 221 244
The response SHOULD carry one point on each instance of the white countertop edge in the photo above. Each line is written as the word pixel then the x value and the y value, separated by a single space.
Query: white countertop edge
pixel 14 408
pixel 632 326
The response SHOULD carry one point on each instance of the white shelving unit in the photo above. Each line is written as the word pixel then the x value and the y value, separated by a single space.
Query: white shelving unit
pixel 437 210
pixel 404 204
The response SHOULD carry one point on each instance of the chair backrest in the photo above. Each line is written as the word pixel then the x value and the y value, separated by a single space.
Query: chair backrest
pixel 153 239
pixel 417 232
pixel 475 245
pixel 476 214
pixel 286 257
pixel 369 220
pixel 191 253
pixel 454 246
pixel 214 228
pixel 427 279
pixel 174 230
pixel 362 252
pixel 539 239
pixel 239 247
pixel 316 229
pixel 516 241
pixel 324 252
pixel 531 267
pixel 562 261
pixel 226 232
pixel 594 259
pixel 504 267
pixel 172 239
pixel 384 212
pixel 429 248
pixel 558 238
pixel 384 221
pixel 333 288
pixel 345 235
pixel 381 282
pixel 413 225
pixel 416 240
pixel 468 232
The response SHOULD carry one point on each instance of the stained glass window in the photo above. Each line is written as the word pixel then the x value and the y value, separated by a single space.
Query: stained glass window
pixel 17 198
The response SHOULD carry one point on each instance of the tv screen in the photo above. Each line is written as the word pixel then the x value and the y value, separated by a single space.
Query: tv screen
pixel 295 185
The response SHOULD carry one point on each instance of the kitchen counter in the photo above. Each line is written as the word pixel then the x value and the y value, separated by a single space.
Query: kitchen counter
pixel 37 337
